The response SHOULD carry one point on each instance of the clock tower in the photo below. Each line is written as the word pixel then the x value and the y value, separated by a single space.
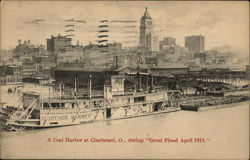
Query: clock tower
pixel 146 27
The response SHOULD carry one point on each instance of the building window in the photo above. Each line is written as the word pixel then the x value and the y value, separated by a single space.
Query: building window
pixel 139 99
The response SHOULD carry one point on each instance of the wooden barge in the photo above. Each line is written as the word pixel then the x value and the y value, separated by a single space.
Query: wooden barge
pixel 210 101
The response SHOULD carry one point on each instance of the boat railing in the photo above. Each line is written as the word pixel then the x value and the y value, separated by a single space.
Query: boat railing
pixel 69 97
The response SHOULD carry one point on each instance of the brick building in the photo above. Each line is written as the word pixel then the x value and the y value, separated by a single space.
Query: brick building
pixel 195 44
pixel 58 44
pixel 10 74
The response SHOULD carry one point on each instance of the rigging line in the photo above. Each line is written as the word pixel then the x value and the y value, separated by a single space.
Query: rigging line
pixel 32 109
pixel 28 108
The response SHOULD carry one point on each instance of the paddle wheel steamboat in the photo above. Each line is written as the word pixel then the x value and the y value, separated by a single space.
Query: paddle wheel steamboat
pixel 36 111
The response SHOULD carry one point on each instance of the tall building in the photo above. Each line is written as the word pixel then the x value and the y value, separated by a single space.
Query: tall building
pixel 170 41
pixel 168 45
pixel 59 43
pixel 195 44
pixel 148 41
pixel 155 43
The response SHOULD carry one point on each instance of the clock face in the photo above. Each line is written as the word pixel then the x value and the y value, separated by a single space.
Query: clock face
pixel 149 23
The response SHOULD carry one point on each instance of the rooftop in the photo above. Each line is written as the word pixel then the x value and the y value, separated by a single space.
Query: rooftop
pixel 82 69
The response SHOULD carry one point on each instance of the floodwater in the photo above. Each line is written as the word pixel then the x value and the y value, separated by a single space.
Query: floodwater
pixel 223 133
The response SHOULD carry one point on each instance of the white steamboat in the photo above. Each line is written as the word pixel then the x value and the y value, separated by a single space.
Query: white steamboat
pixel 40 112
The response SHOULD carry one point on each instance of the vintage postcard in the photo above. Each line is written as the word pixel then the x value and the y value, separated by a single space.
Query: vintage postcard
pixel 124 80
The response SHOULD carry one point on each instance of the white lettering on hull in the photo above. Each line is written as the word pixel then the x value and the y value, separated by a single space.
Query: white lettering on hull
pixel 64 117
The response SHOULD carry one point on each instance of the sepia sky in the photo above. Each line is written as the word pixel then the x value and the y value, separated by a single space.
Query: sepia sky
pixel 220 22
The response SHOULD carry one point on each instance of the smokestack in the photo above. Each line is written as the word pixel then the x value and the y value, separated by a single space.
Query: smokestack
pixel 75 88
pixel 139 82
pixel 147 83
pixel 116 62
pixel 90 85
pixel 60 90
pixel 151 83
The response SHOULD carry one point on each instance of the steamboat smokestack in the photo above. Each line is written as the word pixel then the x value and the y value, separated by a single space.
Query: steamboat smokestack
pixel 90 86
pixel 116 62
pixel 147 84
pixel 152 83
pixel 75 86
pixel 139 82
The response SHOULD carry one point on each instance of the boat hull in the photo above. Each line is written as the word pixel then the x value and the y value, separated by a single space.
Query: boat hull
pixel 66 117
pixel 37 126
pixel 40 113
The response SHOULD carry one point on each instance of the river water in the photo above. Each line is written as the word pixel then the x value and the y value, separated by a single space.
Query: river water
pixel 213 134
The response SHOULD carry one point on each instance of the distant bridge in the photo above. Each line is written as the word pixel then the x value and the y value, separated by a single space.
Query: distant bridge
pixel 214 75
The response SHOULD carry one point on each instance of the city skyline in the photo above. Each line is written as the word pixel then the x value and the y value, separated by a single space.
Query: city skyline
pixel 225 23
